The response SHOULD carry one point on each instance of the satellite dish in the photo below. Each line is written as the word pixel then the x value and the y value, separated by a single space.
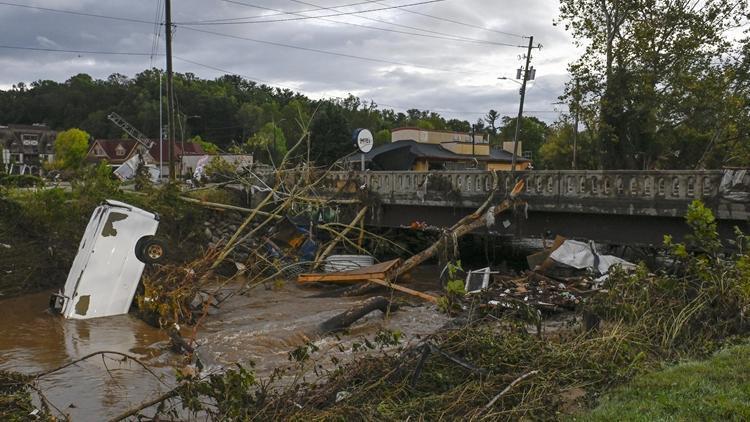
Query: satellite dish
pixel 363 139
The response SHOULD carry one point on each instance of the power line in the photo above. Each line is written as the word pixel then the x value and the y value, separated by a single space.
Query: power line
pixel 157 32
pixel 391 106
pixel 119 53
pixel 269 83
pixel 439 35
pixel 332 53
pixel 303 17
pixel 300 16
pixel 71 12
pixel 281 13
pixel 208 66
pixel 440 18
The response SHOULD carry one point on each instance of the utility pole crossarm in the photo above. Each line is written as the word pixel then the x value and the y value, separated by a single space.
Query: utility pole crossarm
pixel 130 130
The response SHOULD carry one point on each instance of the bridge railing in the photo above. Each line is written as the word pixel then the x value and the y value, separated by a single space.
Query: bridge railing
pixel 676 185
pixel 661 193
pixel 671 185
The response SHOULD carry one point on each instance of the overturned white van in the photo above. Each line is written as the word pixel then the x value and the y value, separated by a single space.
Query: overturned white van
pixel 118 242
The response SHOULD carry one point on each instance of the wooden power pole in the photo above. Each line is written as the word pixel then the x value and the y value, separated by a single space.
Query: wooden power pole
pixel 525 77
pixel 170 94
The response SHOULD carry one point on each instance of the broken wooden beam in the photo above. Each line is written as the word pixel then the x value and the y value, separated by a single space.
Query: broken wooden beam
pixel 379 271
pixel 425 296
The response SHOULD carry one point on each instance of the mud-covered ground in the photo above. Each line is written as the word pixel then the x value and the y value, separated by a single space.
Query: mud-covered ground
pixel 261 328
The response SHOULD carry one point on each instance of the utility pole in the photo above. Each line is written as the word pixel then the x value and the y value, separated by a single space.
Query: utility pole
pixel 161 131
pixel 473 126
pixel 170 100
pixel 575 123
pixel 525 75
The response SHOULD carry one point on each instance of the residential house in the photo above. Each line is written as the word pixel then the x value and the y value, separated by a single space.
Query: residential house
pixel 26 148
pixel 186 156
pixel 114 151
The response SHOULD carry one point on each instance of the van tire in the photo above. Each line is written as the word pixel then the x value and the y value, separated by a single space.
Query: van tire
pixel 150 250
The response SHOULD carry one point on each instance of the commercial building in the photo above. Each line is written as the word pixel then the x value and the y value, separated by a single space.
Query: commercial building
pixel 424 150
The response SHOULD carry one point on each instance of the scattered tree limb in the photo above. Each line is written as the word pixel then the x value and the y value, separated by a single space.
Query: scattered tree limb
pixel 90 355
pixel 322 255
pixel 216 205
pixel 423 296
pixel 145 405
pixel 509 387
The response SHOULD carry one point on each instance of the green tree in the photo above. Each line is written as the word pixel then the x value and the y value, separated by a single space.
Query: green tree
pixel 556 153
pixel 207 146
pixel 458 125
pixel 71 147
pixel 654 73
pixel 533 133
pixel 269 140
pixel 331 135
pixel 382 137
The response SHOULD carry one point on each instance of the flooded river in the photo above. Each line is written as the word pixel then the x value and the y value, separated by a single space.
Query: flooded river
pixel 262 326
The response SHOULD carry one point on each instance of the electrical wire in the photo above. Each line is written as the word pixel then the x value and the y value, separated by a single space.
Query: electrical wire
pixel 300 16
pixel 61 50
pixel 438 34
pixel 391 106
pixel 327 52
pixel 469 25
pixel 71 12
pixel 269 83
pixel 157 32
pixel 283 13
pixel 304 17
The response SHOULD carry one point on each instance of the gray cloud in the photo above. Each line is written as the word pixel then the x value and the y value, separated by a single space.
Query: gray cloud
pixel 461 80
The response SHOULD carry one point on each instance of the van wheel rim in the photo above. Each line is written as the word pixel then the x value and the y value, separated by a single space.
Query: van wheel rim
pixel 154 251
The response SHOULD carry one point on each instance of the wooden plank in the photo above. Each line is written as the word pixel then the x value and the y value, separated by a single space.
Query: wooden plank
pixel 338 277
pixel 378 271
pixel 406 290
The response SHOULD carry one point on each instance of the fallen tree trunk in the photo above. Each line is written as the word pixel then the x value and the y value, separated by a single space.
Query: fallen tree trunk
pixel 467 227
pixel 352 315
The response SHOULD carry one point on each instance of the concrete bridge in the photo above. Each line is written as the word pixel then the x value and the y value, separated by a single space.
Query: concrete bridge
pixel 620 207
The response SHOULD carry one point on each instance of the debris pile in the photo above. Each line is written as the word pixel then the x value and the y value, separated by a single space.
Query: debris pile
pixel 539 291
pixel 220 226
pixel 561 278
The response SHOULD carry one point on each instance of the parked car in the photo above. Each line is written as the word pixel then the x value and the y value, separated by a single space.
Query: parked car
pixel 117 244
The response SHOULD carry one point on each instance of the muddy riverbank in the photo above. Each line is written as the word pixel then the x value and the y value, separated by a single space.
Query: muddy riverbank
pixel 261 327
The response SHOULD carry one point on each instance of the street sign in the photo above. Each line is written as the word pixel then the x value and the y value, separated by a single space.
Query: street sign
pixel 364 140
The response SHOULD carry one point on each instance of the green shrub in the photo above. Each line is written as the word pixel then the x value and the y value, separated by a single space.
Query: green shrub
pixel 696 303
pixel 20 180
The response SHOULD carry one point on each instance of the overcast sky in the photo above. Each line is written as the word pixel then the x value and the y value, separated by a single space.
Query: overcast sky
pixel 451 68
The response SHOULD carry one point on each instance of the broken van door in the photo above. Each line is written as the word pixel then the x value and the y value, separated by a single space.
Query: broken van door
pixel 102 281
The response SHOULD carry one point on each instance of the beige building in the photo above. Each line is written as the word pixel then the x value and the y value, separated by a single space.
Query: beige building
pixel 423 150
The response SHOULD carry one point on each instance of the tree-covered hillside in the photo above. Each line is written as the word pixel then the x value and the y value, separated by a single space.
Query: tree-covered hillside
pixel 229 111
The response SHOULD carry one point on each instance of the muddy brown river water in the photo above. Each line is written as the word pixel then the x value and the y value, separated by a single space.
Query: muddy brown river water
pixel 262 326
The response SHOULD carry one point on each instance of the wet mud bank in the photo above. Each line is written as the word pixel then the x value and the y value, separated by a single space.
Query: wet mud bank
pixel 259 328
